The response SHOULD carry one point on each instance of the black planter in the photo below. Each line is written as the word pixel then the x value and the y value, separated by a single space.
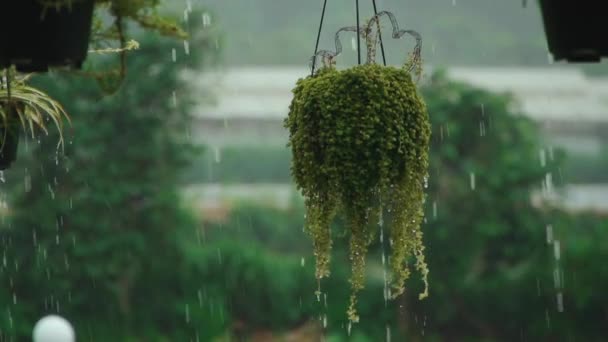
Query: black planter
pixel 576 30
pixel 34 40
pixel 9 140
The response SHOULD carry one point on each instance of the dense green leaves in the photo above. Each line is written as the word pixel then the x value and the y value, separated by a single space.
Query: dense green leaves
pixel 360 141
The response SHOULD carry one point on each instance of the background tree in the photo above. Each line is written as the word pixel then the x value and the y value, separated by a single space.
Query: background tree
pixel 94 233
pixel 492 271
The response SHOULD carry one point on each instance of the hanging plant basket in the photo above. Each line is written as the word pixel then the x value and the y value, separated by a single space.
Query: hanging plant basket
pixel 25 108
pixel 9 138
pixel 576 30
pixel 37 34
pixel 360 141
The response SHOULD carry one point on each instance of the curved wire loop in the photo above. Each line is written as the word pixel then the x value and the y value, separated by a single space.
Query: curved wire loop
pixel 396 34
pixel 328 57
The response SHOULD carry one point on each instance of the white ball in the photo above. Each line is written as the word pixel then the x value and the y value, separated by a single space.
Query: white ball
pixel 53 328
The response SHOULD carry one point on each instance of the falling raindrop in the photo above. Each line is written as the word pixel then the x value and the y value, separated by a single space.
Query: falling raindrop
pixel 10 318
pixel 174 55
pixel 549 183
pixel 302 262
pixel 560 302
pixel 187 313
pixel 354 43
pixel 482 129
pixel 189 5
pixel 350 327
pixel 2 177
pixel 217 154
pixel 388 333
pixel 549 234
pixel 174 99
pixel 27 182
pixel 186 47
pixel 543 157
pixel 556 250
pixel 472 180
pixel 556 278
pixel 324 321
pixel 206 19
pixel 435 210
pixel 186 13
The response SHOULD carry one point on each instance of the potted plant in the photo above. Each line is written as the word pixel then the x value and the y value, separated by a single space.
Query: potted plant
pixel 60 34
pixel 575 30
pixel 111 37
pixel 25 107
pixel 360 140
pixel 38 34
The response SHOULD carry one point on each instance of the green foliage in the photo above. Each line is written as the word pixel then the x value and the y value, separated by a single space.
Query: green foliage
pixel 492 267
pixel 488 239
pixel 32 109
pixel 259 264
pixel 110 33
pixel 142 12
pixel 96 233
pixel 360 144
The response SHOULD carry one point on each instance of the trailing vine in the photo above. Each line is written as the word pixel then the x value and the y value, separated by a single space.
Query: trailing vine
pixel 360 140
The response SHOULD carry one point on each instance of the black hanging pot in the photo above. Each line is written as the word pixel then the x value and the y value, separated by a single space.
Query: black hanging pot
pixel 9 139
pixel 576 30
pixel 34 37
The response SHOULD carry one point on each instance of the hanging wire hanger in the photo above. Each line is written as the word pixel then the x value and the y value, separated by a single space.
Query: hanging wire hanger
pixel 328 57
